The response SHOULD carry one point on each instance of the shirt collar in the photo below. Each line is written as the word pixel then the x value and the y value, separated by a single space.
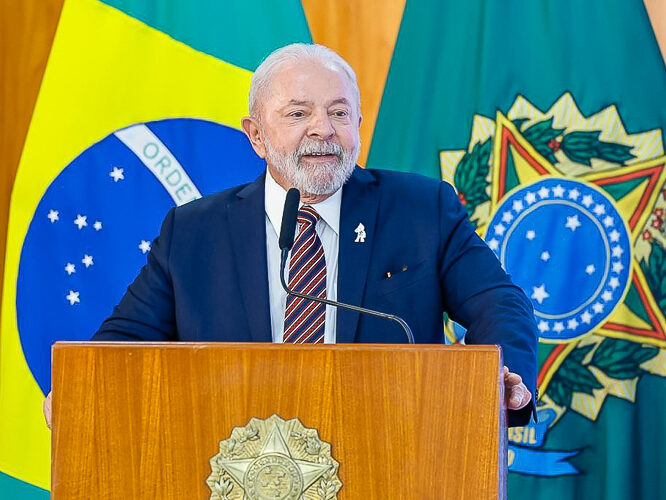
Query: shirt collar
pixel 274 196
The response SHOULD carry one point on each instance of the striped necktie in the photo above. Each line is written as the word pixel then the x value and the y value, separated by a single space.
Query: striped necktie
pixel 304 319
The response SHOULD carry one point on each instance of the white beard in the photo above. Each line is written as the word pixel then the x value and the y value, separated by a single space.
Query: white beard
pixel 323 178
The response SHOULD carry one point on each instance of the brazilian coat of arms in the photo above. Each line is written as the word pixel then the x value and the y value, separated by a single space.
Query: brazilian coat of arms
pixel 274 459
pixel 573 207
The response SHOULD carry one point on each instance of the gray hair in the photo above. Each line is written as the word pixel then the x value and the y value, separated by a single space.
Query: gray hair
pixel 263 76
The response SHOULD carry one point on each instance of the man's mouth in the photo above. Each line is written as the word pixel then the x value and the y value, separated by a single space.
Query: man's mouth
pixel 320 157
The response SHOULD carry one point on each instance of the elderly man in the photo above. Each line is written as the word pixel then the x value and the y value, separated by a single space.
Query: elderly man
pixel 390 241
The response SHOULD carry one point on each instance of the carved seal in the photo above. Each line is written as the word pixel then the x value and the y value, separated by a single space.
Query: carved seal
pixel 274 459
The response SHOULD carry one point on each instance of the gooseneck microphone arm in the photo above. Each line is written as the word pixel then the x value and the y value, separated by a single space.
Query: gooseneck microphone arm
pixel 287 232
pixel 392 317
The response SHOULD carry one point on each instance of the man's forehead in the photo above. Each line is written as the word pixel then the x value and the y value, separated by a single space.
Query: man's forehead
pixel 311 77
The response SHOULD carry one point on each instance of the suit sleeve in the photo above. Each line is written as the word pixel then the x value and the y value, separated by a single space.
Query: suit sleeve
pixel 481 297
pixel 146 312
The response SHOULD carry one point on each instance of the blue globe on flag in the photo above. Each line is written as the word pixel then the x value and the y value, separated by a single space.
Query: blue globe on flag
pixel 95 224
pixel 564 243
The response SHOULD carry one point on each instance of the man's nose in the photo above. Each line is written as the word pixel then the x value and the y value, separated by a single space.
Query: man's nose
pixel 321 126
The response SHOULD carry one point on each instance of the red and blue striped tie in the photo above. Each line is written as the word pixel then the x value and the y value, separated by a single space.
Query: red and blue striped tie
pixel 304 319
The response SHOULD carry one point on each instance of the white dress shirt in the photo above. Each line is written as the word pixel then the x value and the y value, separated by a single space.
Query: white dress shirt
pixel 328 230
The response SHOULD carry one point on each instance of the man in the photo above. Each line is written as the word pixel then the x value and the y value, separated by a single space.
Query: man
pixel 389 241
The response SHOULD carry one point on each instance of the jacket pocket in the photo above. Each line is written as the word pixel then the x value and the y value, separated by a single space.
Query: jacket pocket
pixel 402 279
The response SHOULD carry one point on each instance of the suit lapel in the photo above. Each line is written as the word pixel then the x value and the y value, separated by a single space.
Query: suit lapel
pixel 360 201
pixel 247 221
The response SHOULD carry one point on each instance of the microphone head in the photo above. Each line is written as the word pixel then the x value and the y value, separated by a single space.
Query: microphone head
pixel 289 217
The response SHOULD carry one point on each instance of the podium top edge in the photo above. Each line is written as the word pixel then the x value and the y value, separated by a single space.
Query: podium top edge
pixel 272 346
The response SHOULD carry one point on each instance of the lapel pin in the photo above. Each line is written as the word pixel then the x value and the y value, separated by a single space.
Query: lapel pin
pixel 360 233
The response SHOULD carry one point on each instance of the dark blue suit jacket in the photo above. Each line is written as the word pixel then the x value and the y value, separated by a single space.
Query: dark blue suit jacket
pixel 206 276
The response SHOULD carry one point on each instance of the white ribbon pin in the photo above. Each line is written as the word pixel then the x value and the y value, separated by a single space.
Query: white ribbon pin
pixel 360 233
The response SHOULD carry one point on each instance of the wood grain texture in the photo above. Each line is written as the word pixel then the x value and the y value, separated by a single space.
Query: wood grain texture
pixel 143 420
pixel 27 28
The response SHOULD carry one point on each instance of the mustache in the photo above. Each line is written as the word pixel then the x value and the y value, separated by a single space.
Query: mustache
pixel 318 147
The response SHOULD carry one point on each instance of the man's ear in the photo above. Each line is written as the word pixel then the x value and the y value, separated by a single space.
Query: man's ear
pixel 253 132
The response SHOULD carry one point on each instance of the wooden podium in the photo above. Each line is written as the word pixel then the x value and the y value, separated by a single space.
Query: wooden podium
pixel 143 420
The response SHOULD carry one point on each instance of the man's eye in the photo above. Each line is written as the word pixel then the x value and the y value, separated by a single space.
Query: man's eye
pixel 297 114
pixel 340 113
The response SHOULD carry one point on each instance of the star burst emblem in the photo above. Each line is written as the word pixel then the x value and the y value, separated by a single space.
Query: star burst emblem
pixel 274 459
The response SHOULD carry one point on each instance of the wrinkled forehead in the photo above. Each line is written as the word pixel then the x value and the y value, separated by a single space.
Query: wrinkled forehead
pixel 315 82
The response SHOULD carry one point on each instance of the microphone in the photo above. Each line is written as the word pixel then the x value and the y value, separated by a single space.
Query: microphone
pixel 287 231
pixel 289 218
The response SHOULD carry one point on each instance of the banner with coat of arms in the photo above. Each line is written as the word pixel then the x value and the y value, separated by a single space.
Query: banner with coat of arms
pixel 573 207
pixel 548 118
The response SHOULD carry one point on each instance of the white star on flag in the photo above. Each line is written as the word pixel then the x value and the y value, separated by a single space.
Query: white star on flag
pixel 517 205
pixel 558 327
pixel 70 268
pixel 572 222
pixel 73 297
pixel 597 307
pixel 144 246
pixel 53 216
pixel 589 269
pixel 572 324
pixel 530 197
pixel 608 221
pixel 493 244
pixel 614 236
pixel 587 200
pixel 543 192
pixel 599 209
pixel 81 221
pixel 87 260
pixel 574 194
pixel 543 326
pixel 545 256
pixel 617 251
pixel 607 296
pixel 499 229
pixel 617 267
pixel 117 174
pixel 586 318
pixel 539 293
pixel 507 217
pixel 530 235
pixel 558 191
pixel 97 225
pixel 613 282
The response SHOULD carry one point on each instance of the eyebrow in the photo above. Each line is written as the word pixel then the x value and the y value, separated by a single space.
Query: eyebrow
pixel 341 100
pixel 297 102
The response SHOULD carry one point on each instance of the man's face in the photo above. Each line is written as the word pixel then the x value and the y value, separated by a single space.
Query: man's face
pixel 310 127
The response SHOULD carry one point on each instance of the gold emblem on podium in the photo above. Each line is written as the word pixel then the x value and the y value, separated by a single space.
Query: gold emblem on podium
pixel 274 459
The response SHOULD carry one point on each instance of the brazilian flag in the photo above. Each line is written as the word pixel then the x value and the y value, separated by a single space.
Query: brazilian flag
pixel 549 117
pixel 139 110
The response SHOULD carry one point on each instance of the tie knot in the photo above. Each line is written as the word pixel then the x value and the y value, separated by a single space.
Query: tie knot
pixel 308 215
